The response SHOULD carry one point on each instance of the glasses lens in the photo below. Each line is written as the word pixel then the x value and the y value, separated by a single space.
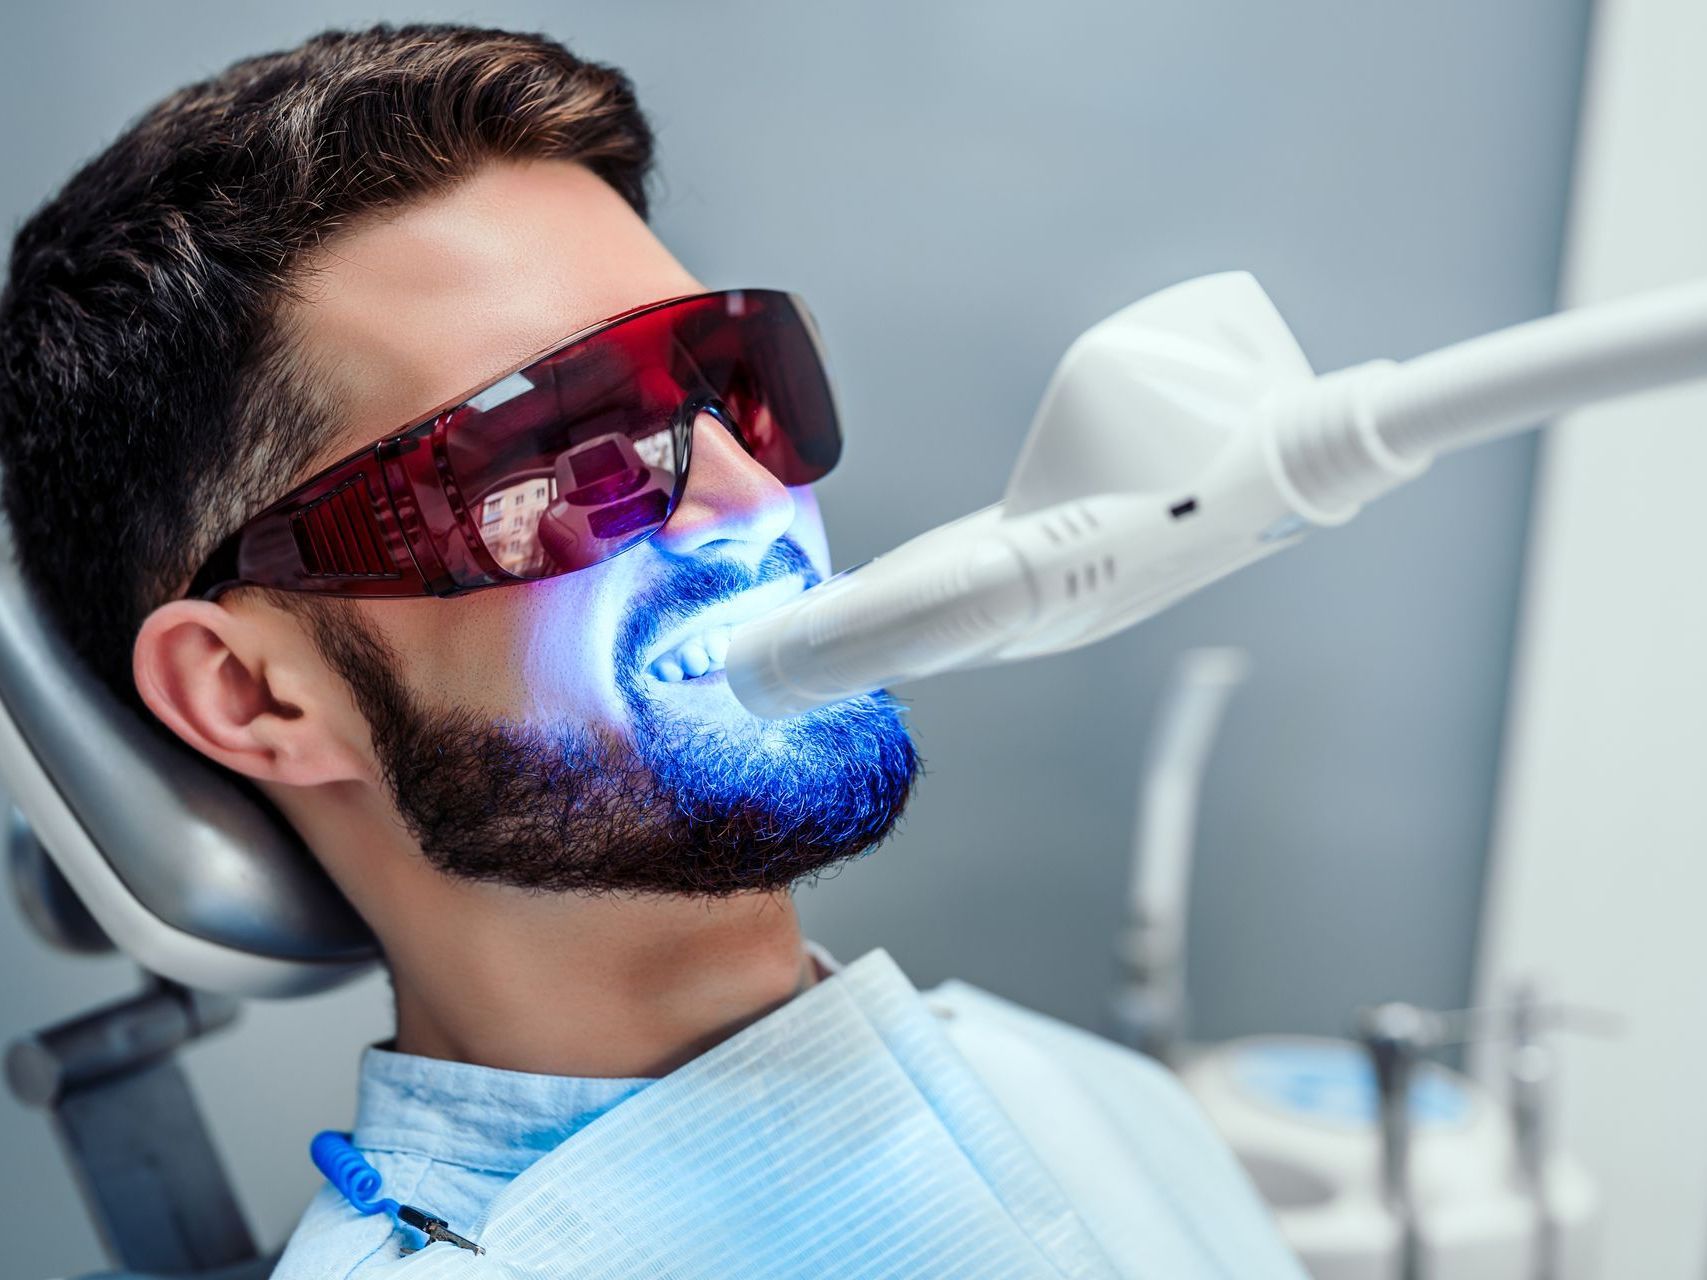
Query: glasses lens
pixel 577 457
pixel 758 352
pixel 580 455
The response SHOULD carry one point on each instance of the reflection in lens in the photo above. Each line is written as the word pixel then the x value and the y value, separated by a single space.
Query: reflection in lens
pixel 509 523
pixel 609 497
pixel 573 459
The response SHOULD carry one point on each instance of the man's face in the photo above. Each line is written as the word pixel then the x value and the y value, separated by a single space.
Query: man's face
pixel 554 734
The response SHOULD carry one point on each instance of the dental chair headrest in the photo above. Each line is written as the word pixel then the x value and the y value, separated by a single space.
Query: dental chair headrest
pixel 184 867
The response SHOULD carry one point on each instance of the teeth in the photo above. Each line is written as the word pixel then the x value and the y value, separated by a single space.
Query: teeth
pixel 693 657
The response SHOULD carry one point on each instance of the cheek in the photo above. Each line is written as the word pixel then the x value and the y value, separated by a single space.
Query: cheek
pixel 559 651
pixel 532 653
pixel 552 670
pixel 807 528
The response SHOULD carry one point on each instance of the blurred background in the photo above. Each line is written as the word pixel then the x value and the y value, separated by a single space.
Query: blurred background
pixel 958 190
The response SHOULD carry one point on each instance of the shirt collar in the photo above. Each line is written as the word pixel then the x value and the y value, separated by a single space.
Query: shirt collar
pixel 481 1117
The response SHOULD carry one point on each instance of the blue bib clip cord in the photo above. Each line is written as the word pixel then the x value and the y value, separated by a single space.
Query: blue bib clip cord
pixel 359 1182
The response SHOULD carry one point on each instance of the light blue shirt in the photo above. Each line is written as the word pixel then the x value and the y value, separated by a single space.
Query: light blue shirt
pixel 1128 1146
pixel 446 1137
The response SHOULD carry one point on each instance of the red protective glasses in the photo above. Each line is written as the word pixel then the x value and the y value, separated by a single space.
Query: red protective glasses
pixel 561 463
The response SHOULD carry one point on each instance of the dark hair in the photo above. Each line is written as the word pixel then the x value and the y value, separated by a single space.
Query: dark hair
pixel 148 403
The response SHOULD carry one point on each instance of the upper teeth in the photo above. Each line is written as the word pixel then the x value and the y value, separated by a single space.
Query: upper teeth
pixel 694 656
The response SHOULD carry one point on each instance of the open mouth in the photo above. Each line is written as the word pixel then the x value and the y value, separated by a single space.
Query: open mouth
pixel 695 650
pixel 694 658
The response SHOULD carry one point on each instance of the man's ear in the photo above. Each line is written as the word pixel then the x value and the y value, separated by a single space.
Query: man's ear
pixel 248 690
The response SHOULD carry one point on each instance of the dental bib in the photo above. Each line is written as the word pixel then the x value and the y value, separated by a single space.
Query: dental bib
pixel 840 1136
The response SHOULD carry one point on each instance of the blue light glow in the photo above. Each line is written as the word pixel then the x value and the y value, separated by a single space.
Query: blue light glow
pixel 834 777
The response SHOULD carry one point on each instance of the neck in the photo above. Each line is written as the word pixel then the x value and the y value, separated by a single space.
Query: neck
pixel 601 986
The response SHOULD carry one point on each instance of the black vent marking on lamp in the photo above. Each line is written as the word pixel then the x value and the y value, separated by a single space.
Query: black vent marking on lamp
pixel 1180 510
pixel 338 536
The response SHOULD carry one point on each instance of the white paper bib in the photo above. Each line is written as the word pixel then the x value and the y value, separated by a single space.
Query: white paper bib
pixel 842 1136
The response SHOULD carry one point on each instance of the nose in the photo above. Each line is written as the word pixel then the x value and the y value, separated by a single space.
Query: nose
pixel 729 498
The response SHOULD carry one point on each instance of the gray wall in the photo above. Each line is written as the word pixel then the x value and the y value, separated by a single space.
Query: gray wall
pixel 959 189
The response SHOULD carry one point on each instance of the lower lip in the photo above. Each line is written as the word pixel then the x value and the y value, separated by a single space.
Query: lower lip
pixel 710 677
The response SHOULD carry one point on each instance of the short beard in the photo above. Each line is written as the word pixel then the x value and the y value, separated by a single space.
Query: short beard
pixel 689 808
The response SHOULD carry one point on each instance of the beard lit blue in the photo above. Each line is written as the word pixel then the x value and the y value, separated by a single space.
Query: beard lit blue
pixel 710 801
pixel 831 777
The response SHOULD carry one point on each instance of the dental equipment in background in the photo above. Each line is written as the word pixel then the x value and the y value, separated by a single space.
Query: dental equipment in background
pixel 1180 439
pixel 1148 1009
pixel 1377 1163
pixel 1397 1036
pixel 1530 1070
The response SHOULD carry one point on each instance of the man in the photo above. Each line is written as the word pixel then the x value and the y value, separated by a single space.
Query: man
pixel 426 486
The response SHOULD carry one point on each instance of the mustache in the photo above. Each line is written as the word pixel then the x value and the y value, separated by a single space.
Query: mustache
pixel 694 585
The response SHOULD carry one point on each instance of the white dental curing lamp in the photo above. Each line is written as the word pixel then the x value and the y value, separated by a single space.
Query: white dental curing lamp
pixel 1180 439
